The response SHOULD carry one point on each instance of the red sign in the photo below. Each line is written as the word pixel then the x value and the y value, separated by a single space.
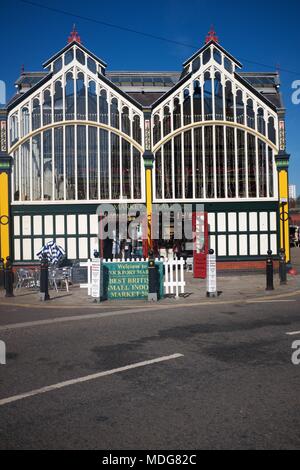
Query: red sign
pixel 200 231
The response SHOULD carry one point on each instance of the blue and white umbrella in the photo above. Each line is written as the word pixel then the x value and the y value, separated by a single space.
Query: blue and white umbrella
pixel 53 251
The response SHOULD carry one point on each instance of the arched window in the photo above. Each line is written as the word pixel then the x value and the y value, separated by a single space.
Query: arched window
pixel 176 114
pixel 47 108
pixel 251 165
pixel 208 112
pixel 136 129
pixel 91 64
pixel 114 113
pixel 126 170
pixel 57 65
pixel 219 115
pixel 197 101
pixel 229 103
pixel 80 97
pixel 261 125
pixel 25 121
pixel 228 65
pixel 156 129
pixel 36 168
pixel 250 114
pixel 262 165
pixel 59 179
pixel 206 56
pixel 196 64
pixel 186 107
pixel 36 114
pixel 14 129
pixel 125 120
pixel 167 121
pixel 80 56
pixel 271 130
pixel 58 102
pixel 69 97
pixel 217 56
pixel 231 166
pixel 240 107
pixel 103 107
pixel 81 163
pixel 69 56
pixel 220 162
pixel 92 101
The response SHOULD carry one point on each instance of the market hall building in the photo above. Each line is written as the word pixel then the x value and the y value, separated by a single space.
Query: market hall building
pixel 77 135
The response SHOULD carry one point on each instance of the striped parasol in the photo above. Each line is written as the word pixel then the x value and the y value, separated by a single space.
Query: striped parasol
pixel 53 252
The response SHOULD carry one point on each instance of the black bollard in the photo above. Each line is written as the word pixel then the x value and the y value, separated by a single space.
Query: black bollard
pixel 9 278
pixel 282 267
pixel 44 279
pixel 270 272
pixel 2 273
pixel 152 273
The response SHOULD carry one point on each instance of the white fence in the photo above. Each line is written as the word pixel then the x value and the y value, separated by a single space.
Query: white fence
pixel 174 276
pixel 174 282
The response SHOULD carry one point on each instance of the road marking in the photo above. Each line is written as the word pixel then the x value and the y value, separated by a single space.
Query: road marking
pixel 293 333
pixel 87 378
pixel 268 301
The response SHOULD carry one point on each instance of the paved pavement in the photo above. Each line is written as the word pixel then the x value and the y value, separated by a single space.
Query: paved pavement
pixel 178 376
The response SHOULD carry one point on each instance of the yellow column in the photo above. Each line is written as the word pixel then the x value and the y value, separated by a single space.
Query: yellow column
pixel 149 203
pixel 4 215
pixel 283 180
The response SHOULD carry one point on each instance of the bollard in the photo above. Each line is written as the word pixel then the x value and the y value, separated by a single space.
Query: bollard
pixel 44 279
pixel 2 284
pixel 282 267
pixel 9 278
pixel 152 273
pixel 211 282
pixel 270 272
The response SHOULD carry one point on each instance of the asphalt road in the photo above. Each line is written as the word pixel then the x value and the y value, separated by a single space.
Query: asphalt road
pixel 232 385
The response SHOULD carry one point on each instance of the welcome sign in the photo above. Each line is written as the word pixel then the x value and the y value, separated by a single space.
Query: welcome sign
pixel 126 280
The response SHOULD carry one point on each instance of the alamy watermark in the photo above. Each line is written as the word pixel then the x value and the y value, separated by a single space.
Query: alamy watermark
pixel 296 353
pixel 296 93
pixel 2 353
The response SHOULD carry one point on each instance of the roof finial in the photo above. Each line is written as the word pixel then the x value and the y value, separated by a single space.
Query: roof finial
pixel 74 36
pixel 212 36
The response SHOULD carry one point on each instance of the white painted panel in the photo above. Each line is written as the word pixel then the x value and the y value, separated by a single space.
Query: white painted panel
pixel 253 245
pixel 274 244
pixel 37 225
pixel 83 248
pixel 71 224
pixel 27 249
pixel 93 224
pixel 212 222
pixel 243 245
pixel 61 242
pixel 37 246
pixel 243 226
pixel 212 242
pixel 60 224
pixel 263 221
pixel 48 221
pixel 82 224
pixel 264 244
pixel 253 222
pixel 232 243
pixel 221 222
pixel 72 248
pixel 232 222
pixel 17 247
pixel 26 221
pixel 273 221
pixel 222 245
pixel 17 225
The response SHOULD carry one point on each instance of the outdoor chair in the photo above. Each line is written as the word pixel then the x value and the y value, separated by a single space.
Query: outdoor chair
pixel 58 276
pixel 25 278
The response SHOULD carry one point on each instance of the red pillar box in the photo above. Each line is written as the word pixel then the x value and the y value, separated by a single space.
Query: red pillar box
pixel 200 231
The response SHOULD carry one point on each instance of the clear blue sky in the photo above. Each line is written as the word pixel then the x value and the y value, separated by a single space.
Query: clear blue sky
pixel 260 31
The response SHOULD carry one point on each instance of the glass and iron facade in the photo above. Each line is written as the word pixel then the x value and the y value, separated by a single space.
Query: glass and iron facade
pixel 78 134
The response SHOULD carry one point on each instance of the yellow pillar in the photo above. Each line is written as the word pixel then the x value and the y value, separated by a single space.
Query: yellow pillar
pixel 149 203
pixel 284 213
pixel 4 215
